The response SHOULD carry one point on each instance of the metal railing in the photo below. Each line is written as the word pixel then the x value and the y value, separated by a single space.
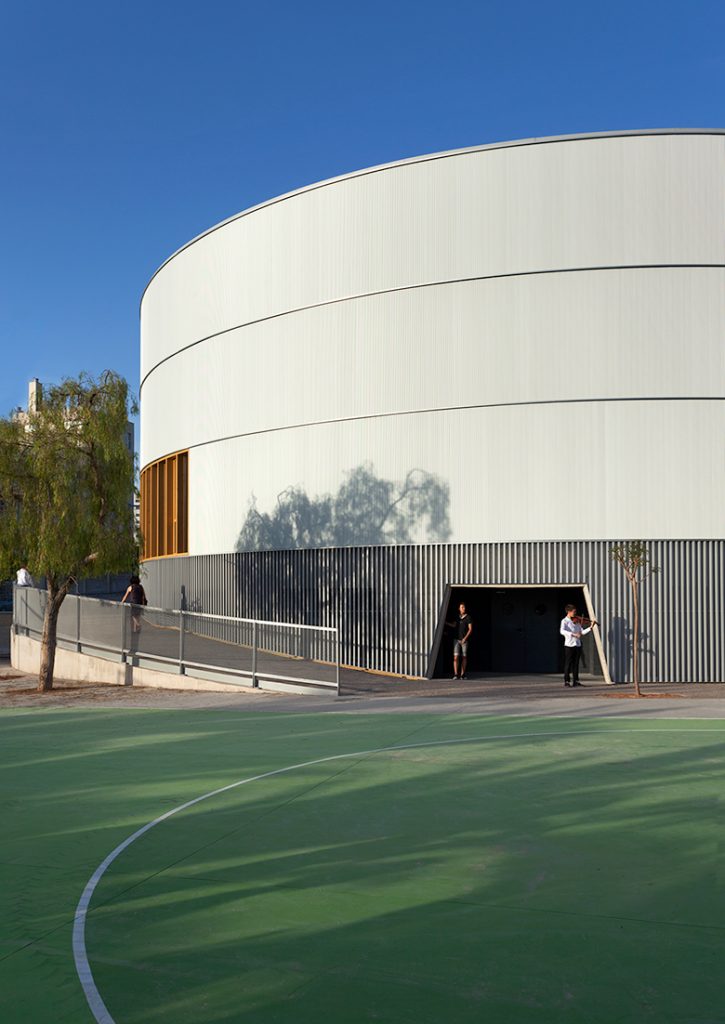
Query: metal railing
pixel 216 647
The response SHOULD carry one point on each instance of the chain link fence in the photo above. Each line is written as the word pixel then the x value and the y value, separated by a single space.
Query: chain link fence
pixel 217 647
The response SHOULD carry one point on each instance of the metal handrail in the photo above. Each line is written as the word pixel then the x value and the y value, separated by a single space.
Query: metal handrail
pixel 179 616
pixel 207 615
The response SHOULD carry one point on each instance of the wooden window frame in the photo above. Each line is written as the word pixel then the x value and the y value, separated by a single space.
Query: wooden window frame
pixel 164 495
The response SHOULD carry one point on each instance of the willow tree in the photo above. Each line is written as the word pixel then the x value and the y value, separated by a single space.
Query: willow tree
pixel 67 486
pixel 634 558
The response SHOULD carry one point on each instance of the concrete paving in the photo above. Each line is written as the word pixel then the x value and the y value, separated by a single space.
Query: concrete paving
pixel 525 694
pixel 530 696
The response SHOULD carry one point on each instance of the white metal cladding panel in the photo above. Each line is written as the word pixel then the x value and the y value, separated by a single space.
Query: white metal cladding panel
pixel 387 601
pixel 561 471
pixel 590 202
pixel 604 334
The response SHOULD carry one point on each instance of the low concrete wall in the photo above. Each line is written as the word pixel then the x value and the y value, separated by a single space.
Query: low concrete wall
pixel 85 668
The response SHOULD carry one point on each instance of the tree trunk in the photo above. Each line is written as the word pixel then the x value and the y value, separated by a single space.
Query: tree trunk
pixel 55 599
pixel 635 639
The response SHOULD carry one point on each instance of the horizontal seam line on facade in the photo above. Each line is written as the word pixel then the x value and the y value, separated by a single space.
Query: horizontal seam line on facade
pixel 445 408
pixel 409 546
pixel 425 158
pixel 428 284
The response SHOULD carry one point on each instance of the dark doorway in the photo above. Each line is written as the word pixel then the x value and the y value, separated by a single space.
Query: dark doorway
pixel 515 630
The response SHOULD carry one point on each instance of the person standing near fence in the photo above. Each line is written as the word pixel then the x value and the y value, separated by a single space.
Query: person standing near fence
pixel 23 577
pixel 136 597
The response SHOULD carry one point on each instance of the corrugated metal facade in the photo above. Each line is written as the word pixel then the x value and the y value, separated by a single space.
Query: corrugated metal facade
pixel 387 600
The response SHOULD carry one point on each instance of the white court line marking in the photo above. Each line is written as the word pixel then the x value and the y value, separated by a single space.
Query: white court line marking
pixel 83 968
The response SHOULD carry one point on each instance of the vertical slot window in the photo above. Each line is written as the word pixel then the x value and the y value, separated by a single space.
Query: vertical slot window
pixel 164 506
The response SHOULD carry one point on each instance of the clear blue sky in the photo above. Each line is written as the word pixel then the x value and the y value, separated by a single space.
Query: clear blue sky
pixel 127 129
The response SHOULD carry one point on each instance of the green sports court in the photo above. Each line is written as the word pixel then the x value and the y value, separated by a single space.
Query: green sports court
pixel 360 867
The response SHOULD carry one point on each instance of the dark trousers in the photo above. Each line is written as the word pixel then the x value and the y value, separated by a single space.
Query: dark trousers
pixel 571 663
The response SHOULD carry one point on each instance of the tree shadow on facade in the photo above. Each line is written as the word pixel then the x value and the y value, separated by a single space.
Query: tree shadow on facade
pixel 366 510
pixel 335 559
pixel 621 646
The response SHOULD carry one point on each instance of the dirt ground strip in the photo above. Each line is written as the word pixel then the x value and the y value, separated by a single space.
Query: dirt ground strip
pixel 18 690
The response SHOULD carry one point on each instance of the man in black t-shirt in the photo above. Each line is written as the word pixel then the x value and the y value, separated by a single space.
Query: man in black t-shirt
pixel 464 627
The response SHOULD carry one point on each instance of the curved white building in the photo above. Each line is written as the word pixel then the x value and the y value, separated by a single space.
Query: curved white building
pixel 512 344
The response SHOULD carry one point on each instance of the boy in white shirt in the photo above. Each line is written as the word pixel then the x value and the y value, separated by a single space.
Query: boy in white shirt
pixel 572 632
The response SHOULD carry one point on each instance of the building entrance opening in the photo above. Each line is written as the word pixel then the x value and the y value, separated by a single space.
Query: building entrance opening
pixel 515 630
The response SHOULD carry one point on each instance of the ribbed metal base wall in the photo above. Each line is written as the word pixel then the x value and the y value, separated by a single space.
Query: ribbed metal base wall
pixel 387 600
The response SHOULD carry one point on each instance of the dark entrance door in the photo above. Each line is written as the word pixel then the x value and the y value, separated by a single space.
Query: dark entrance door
pixel 524 634
pixel 507 637
pixel 515 630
